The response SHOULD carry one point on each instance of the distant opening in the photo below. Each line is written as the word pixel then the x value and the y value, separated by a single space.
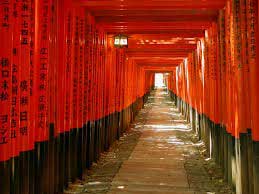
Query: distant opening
pixel 159 80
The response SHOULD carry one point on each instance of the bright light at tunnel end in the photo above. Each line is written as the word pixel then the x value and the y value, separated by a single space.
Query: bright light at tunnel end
pixel 159 80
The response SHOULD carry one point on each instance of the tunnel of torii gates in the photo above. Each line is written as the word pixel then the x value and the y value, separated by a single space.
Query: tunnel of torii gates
pixel 66 93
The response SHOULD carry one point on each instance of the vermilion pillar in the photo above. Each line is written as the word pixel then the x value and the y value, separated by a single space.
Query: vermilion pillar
pixel 252 34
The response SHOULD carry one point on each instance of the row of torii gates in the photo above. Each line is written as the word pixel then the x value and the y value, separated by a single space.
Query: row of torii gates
pixel 67 92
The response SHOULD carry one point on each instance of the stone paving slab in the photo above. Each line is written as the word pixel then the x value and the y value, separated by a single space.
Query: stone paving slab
pixel 157 148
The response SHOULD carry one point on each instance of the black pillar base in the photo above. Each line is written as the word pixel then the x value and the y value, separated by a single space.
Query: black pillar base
pixel 256 166
pixel 5 169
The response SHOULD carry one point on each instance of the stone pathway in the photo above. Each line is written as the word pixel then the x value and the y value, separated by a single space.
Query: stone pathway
pixel 159 154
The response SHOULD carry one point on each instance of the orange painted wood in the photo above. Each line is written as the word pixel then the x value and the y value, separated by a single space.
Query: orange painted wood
pixel 15 93
pixel 42 49
pixel 252 34
pixel 5 77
